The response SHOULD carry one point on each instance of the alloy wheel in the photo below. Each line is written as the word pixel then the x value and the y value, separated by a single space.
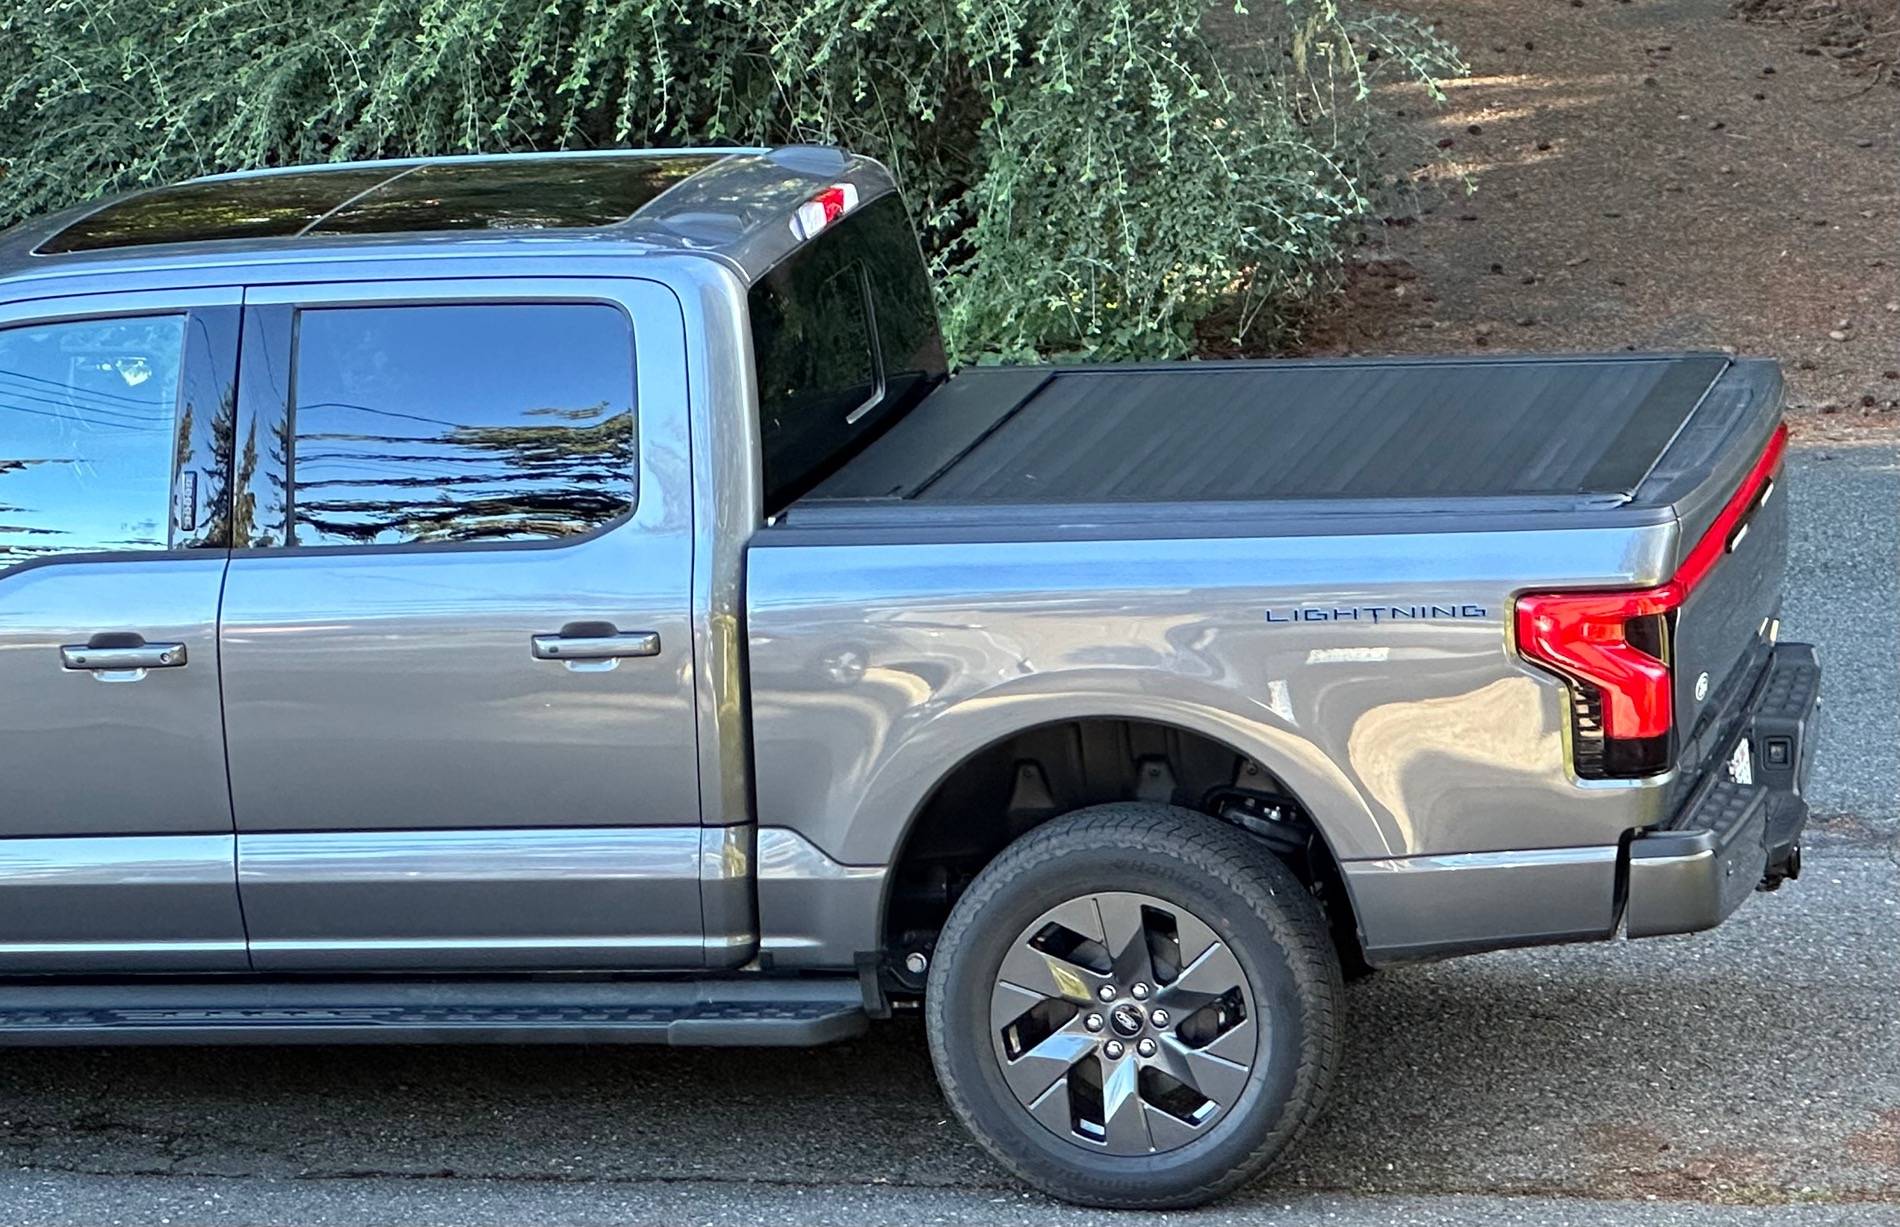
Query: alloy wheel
pixel 1123 1024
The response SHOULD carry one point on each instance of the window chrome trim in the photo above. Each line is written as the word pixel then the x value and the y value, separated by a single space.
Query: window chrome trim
pixel 74 307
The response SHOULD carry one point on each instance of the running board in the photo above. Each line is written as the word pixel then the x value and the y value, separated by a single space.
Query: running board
pixel 724 1013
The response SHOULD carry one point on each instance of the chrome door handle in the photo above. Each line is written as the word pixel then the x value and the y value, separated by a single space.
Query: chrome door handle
pixel 610 646
pixel 143 656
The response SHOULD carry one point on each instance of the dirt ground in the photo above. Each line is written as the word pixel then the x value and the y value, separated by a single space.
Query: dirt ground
pixel 1647 174
pixel 1864 35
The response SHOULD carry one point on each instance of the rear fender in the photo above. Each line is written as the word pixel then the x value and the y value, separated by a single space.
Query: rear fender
pixel 929 754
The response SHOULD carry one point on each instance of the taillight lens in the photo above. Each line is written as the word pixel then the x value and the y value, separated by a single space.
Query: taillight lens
pixel 1614 647
pixel 1615 641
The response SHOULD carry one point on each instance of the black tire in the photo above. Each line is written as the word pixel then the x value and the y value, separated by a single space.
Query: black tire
pixel 1276 932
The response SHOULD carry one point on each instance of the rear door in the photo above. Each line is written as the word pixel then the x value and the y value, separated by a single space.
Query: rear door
pixel 456 633
pixel 116 846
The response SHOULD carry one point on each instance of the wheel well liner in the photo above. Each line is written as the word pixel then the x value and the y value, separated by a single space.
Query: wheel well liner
pixel 1017 782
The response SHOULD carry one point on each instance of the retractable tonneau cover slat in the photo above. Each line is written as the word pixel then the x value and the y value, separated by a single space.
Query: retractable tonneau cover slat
pixel 1277 430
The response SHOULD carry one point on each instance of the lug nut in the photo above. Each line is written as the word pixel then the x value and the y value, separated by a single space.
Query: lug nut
pixel 1146 1047
pixel 1106 992
pixel 1140 991
pixel 1158 1017
pixel 1093 1022
pixel 1114 1050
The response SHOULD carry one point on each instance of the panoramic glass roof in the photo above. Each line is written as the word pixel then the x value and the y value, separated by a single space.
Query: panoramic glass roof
pixel 505 194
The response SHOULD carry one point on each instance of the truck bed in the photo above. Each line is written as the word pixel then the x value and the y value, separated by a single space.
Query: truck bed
pixel 1596 431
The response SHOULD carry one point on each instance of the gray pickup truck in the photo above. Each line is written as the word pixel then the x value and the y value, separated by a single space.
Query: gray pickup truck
pixel 567 598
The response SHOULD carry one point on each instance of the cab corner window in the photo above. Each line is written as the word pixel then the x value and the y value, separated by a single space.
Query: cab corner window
pixel 457 423
pixel 92 435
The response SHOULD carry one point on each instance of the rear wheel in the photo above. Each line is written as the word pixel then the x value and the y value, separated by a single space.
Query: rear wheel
pixel 1135 1006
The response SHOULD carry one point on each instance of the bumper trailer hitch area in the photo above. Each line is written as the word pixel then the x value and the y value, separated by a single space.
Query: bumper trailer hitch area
pixel 1736 835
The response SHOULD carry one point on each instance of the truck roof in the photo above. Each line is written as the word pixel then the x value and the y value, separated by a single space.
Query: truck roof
pixel 732 204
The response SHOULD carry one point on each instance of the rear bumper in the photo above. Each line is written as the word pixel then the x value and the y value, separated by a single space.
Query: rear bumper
pixel 1735 836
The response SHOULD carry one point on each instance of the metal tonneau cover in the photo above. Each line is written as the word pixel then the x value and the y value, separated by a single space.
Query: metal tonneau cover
pixel 1541 433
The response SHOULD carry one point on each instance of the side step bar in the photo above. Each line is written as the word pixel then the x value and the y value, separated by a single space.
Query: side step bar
pixel 726 1013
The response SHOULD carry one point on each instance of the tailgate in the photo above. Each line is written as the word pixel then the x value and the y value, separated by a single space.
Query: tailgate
pixel 1722 477
pixel 1726 626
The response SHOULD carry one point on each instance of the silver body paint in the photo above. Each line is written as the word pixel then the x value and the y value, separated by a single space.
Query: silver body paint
pixel 877 668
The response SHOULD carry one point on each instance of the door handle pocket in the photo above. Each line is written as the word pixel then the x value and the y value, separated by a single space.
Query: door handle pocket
pixel 115 655
pixel 598 642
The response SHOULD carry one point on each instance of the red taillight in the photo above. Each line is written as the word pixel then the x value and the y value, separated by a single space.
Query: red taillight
pixel 1586 636
pixel 1616 644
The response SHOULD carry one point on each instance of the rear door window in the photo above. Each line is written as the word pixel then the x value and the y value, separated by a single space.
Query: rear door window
pixel 453 423
pixel 90 435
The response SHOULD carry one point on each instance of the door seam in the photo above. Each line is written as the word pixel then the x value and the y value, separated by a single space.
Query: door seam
pixel 229 461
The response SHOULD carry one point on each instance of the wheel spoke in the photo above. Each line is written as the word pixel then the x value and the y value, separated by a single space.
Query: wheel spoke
pixel 1206 978
pixel 1036 971
pixel 1169 1130
pixel 1080 915
pixel 1194 938
pixel 1124 1115
pixel 1214 1077
pixel 1052 1108
pixel 1010 1002
pixel 1235 1044
pixel 1127 937
pixel 1031 1075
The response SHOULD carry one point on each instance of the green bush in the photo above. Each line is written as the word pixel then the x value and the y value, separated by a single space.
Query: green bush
pixel 1090 176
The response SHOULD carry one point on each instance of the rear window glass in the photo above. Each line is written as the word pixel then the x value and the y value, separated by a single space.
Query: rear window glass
pixel 844 340
pixel 88 408
pixel 482 422
pixel 816 370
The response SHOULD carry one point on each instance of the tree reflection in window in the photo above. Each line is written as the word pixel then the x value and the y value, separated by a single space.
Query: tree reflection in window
pixel 461 423
pixel 86 427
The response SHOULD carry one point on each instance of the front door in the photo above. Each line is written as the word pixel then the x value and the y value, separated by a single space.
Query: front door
pixel 456 632
pixel 116 845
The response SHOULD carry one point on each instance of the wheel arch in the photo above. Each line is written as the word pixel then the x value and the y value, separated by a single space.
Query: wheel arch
pixel 1191 736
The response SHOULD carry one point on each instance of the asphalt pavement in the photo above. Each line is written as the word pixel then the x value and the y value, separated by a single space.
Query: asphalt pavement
pixel 1749 1075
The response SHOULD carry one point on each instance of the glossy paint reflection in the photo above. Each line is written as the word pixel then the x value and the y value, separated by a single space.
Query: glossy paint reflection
pixel 384 689
pixel 875 671
pixel 446 900
pixel 120 903
pixel 81 758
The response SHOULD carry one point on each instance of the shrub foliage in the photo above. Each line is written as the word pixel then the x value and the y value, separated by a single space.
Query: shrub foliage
pixel 1090 176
